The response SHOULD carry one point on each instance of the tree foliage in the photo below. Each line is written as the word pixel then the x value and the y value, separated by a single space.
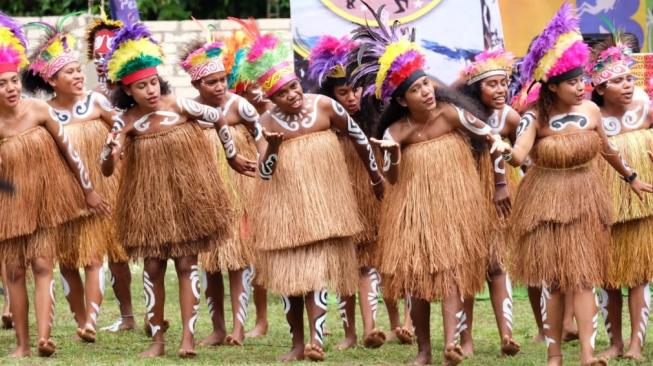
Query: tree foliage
pixel 152 9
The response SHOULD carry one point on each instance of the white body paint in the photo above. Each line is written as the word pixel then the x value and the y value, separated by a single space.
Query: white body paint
pixel 150 301
pixel 546 295
pixel 632 120
pixel 243 298
pixel 195 286
pixel 295 121
pixel 320 299
pixel 507 304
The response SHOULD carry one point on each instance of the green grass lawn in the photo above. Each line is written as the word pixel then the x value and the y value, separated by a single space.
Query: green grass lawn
pixel 123 348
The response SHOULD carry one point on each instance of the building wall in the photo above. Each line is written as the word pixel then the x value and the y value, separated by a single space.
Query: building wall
pixel 171 34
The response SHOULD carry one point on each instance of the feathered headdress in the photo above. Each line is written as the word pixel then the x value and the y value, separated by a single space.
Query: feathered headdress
pixel 268 62
pixel 100 33
pixel 388 57
pixel 56 50
pixel 489 63
pixel 559 52
pixel 329 58
pixel 234 53
pixel 203 60
pixel 134 55
pixel 612 62
pixel 13 45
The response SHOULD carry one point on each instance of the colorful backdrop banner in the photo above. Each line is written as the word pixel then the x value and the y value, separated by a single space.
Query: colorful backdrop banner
pixel 125 11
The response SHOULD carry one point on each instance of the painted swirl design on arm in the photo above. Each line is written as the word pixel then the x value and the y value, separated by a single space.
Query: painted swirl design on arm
pixel 497 166
pixel 204 112
pixel 355 132
pixel 268 166
pixel 473 124
pixel 227 141
pixel 62 117
pixel 83 173
pixel 524 122
pixel 247 111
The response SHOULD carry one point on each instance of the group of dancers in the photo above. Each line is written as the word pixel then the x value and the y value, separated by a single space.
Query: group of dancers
pixel 385 178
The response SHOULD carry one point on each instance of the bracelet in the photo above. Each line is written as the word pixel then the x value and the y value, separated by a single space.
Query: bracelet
pixel 500 184
pixel 377 183
pixel 507 156
pixel 395 164
pixel 629 179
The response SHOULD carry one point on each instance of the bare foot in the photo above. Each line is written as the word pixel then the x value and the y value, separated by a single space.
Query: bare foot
pixel 554 361
pixel 453 354
pixel 148 328
pixel 630 355
pixel 375 339
pixel 87 334
pixel 569 335
pixel 539 338
pixel 423 358
pixel 214 339
pixel 613 352
pixel 467 347
pixel 404 335
pixel 296 354
pixel 597 362
pixel 186 353
pixel 233 341
pixel 314 352
pixel 7 321
pixel 46 347
pixel 259 330
pixel 509 347
pixel 20 352
pixel 156 349
pixel 347 343
pixel 122 324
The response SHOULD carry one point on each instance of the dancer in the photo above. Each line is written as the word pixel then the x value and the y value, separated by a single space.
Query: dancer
pixel 203 61
pixel 46 197
pixel 432 236
pixel 99 36
pixel 560 222
pixel 328 67
pixel 86 117
pixel 310 246
pixel 169 178
pixel 627 123
pixel 486 81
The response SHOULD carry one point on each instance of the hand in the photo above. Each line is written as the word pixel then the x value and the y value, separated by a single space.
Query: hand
pixel 499 145
pixel 640 187
pixel 243 165
pixel 502 201
pixel 378 186
pixel 273 138
pixel 97 205
pixel 113 143
pixel 386 145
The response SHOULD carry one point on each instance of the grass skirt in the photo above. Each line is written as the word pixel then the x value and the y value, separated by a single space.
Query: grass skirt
pixel 83 241
pixel 495 241
pixel 369 207
pixel 559 228
pixel 235 252
pixel 304 220
pixel 631 261
pixel 432 236
pixel 47 194
pixel 171 202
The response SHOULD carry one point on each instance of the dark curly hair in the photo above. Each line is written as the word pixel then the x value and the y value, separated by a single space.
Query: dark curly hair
pixel 123 101
pixel 34 83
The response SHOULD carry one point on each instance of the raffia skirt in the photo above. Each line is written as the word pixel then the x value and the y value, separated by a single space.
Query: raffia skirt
pixel 433 236
pixel 235 252
pixel 171 200
pixel 47 196
pixel 631 261
pixel 559 227
pixel 305 218
pixel 89 239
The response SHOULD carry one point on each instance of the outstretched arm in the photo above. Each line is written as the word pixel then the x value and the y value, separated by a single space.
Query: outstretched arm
pixel 477 128
pixel 341 120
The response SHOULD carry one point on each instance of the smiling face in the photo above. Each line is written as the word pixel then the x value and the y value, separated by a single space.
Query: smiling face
pixel 420 97
pixel 618 91
pixel 290 98
pixel 570 91
pixel 494 91
pixel 146 92
pixel 69 80
pixel 10 89
pixel 213 87
pixel 348 97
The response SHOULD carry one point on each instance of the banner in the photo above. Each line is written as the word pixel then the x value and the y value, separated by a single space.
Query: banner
pixel 450 31
pixel 125 11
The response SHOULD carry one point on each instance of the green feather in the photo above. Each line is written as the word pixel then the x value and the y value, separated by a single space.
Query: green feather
pixel 143 62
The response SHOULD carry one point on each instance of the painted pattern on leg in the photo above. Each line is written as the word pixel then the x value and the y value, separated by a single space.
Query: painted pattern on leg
pixel 546 295
pixel 195 286
pixel 641 334
pixel 507 304
pixel 320 299
pixel 243 298
pixel 150 301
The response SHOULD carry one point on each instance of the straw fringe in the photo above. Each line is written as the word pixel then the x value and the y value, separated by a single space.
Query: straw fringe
pixel 308 199
pixel 171 201
pixel 431 229
pixel 633 147
pixel 330 263
pixel 47 194
pixel 88 240
pixel 368 206
pixel 559 228
pixel 631 261
pixel 496 244
pixel 23 249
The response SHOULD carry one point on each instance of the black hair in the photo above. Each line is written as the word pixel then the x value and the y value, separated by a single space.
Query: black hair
pixel 545 101
pixel 34 83
pixel 596 97
pixel 123 101
pixel 395 111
